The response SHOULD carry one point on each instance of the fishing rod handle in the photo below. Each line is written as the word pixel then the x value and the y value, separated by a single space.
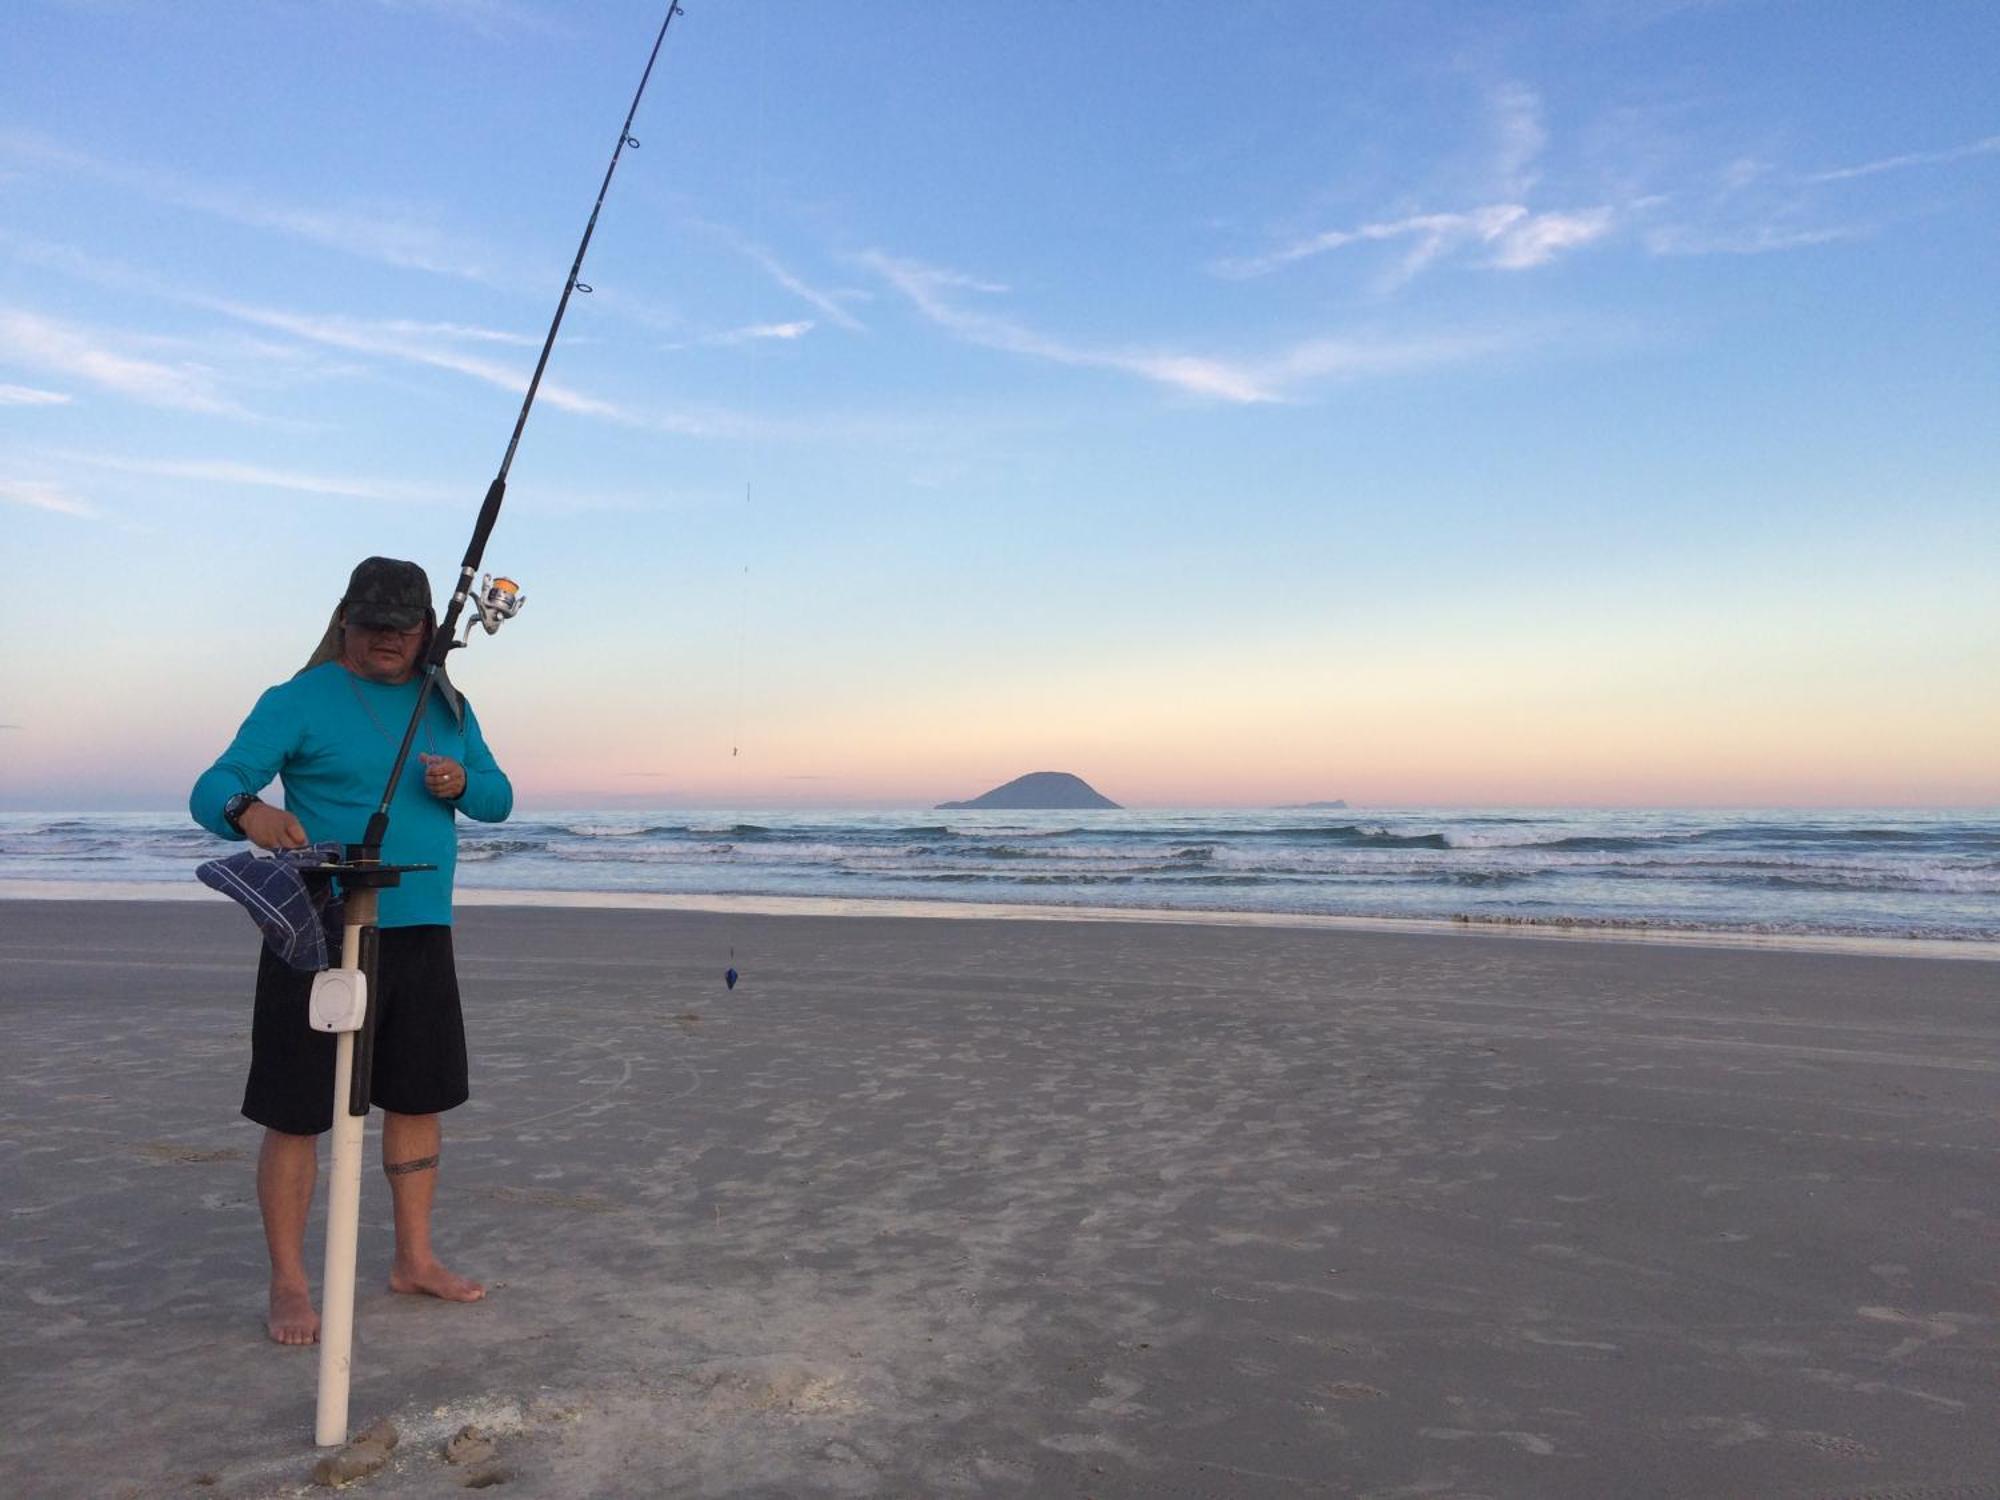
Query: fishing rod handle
pixel 489 512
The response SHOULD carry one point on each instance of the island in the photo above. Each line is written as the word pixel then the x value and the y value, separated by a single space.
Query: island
pixel 1311 806
pixel 1038 791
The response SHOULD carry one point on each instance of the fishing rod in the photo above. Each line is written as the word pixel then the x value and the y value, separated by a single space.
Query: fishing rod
pixel 501 598
pixel 342 998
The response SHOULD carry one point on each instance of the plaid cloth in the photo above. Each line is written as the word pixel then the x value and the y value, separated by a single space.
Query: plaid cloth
pixel 301 919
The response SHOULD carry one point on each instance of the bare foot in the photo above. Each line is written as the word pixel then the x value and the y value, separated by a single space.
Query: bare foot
pixel 293 1320
pixel 433 1280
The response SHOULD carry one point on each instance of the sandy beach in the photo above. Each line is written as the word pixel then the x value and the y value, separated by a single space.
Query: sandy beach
pixel 1042 1208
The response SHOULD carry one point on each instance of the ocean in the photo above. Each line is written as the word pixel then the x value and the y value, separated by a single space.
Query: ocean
pixel 1860 872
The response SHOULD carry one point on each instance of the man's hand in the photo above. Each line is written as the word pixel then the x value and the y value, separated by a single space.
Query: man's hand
pixel 444 778
pixel 271 827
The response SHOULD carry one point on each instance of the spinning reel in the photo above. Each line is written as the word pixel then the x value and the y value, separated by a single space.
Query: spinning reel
pixel 497 602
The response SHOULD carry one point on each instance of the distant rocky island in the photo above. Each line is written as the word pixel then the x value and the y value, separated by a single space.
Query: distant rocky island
pixel 1038 791
pixel 1311 806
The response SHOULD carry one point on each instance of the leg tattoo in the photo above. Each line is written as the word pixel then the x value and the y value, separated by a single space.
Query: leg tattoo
pixel 405 1168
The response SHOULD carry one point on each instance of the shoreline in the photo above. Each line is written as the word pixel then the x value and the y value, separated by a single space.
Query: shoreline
pixel 1581 930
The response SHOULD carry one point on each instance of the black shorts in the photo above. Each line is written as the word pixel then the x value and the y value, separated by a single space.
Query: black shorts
pixel 419 1037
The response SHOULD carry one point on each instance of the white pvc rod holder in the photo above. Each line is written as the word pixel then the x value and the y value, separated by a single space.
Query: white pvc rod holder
pixel 343 1211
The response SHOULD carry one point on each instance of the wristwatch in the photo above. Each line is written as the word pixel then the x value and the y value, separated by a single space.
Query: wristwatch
pixel 235 807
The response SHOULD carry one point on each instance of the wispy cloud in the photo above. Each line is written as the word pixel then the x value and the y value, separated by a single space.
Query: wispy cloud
pixel 927 288
pixel 28 395
pixel 1761 239
pixel 378 234
pixel 1515 237
pixel 210 472
pixel 39 496
pixel 782 331
pixel 98 270
pixel 1537 239
pixel 1751 207
pixel 89 356
pixel 346 335
pixel 1505 232
pixel 1988 146
pixel 437 345
pixel 231 471
pixel 1241 381
pixel 755 333
pixel 830 303
pixel 414 344
pixel 386 233
pixel 1319 359
pixel 1755 204
pixel 409 342
pixel 1511 236
pixel 1520 138
pixel 467 331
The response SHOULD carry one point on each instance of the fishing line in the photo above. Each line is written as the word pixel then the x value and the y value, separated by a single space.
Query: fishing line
pixel 730 976
pixel 759 194
pixel 742 613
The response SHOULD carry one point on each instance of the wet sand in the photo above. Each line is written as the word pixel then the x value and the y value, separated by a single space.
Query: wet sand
pixel 1038 1209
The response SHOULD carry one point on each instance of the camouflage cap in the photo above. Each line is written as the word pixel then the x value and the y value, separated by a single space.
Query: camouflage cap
pixel 386 593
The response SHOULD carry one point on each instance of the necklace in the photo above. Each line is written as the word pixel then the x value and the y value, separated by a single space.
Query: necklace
pixel 362 699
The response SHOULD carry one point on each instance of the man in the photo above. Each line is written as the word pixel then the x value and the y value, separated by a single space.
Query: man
pixel 331 733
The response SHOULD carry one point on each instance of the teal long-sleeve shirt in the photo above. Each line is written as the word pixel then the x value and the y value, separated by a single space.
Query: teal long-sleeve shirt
pixel 331 737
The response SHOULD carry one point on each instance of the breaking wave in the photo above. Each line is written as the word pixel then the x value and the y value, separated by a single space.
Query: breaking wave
pixel 1872 871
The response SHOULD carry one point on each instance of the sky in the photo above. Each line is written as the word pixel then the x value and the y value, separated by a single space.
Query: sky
pixel 1578 403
